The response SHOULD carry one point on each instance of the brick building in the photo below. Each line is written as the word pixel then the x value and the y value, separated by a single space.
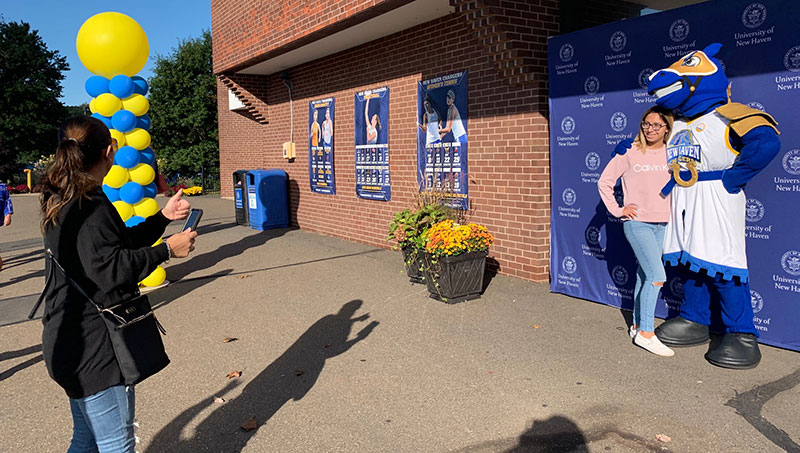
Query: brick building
pixel 335 48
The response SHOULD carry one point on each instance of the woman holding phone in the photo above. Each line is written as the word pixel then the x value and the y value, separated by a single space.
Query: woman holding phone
pixel 645 214
pixel 84 232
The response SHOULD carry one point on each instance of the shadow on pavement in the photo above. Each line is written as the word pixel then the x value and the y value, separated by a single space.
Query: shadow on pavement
pixel 20 366
pixel 289 377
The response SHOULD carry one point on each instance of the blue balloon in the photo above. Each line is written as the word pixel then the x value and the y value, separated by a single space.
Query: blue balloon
pixel 150 190
pixel 106 120
pixel 121 86
pixel 143 122
pixel 147 156
pixel 139 85
pixel 123 120
pixel 127 157
pixel 131 192
pixel 96 85
pixel 111 193
pixel 133 221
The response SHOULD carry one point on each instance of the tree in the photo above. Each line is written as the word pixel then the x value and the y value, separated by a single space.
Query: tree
pixel 30 88
pixel 183 107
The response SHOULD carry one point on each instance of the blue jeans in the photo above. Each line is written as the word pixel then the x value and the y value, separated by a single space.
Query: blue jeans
pixel 103 422
pixel 647 241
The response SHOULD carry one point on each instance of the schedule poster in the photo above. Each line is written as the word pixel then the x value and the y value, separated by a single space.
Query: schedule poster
pixel 320 146
pixel 372 144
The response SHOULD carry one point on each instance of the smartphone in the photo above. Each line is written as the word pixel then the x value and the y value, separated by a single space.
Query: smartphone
pixel 193 220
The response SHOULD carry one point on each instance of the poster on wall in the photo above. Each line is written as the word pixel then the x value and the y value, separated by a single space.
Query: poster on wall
pixel 598 91
pixel 372 144
pixel 442 137
pixel 320 146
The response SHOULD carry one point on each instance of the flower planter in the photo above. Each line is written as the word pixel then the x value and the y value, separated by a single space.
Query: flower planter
pixel 454 279
pixel 414 260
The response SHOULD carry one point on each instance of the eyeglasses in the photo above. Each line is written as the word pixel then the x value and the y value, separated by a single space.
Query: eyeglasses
pixel 656 126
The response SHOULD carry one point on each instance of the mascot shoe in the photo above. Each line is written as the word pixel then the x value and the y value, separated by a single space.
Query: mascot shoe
pixel 682 332
pixel 737 350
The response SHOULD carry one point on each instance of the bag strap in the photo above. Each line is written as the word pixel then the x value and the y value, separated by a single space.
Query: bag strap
pixel 47 280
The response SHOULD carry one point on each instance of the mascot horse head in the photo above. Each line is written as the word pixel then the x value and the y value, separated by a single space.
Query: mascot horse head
pixel 693 85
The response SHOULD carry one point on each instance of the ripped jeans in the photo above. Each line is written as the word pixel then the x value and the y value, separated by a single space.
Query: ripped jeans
pixel 647 241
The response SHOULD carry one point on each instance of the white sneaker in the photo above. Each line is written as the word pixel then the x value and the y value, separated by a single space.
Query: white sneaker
pixel 632 332
pixel 653 345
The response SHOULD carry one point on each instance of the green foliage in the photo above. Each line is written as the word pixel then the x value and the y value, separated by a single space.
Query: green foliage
pixel 183 107
pixel 30 88
pixel 409 226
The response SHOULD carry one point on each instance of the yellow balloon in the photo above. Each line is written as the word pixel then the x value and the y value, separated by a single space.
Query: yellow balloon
pixel 145 208
pixel 156 278
pixel 107 104
pixel 137 104
pixel 116 177
pixel 112 43
pixel 119 136
pixel 160 240
pixel 124 209
pixel 142 174
pixel 92 107
pixel 138 138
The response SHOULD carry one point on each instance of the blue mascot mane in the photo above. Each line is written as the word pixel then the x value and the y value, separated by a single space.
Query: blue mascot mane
pixel 693 85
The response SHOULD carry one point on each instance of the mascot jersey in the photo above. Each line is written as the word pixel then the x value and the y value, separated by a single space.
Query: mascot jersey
pixel 707 229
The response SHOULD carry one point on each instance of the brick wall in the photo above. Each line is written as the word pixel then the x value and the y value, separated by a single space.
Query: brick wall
pixel 508 131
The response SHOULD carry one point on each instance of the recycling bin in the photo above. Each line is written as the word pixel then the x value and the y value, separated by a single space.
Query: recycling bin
pixel 239 195
pixel 267 199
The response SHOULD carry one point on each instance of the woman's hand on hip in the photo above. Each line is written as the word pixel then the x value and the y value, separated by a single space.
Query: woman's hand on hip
pixel 177 208
pixel 182 243
pixel 629 212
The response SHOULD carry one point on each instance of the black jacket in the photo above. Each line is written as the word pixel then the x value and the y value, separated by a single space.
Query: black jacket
pixel 107 259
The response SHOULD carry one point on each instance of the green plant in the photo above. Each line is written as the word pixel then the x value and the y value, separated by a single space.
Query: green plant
pixel 408 227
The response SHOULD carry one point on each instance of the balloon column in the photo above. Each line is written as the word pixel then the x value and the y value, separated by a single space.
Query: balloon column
pixel 114 47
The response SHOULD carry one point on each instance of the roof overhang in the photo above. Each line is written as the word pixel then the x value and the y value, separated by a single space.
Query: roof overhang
pixel 403 17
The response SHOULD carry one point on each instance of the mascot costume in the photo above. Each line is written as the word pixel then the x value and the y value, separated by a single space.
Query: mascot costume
pixel 716 147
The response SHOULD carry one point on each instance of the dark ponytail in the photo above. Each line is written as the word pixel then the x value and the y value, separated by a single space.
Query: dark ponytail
pixel 82 140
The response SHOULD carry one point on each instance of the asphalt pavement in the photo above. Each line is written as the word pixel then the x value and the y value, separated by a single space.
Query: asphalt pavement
pixel 338 352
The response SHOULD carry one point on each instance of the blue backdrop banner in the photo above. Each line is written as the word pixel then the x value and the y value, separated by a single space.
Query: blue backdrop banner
pixel 598 92
pixel 372 144
pixel 442 137
pixel 320 146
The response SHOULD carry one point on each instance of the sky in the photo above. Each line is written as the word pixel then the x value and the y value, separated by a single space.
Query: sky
pixel 166 24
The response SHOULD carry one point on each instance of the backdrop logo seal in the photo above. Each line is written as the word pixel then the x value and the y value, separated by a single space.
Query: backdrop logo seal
pixel 757 301
pixel 644 77
pixel 568 125
pixel 619 121
pixel 593 236
pixel 618 41
pixel 569 196
pixel 790 262
pixel 679 30
pixel 754 15
pixel 791 162
pixel 569 265
pixel 620 275
pixel 592 85
pixel 756 105
pixel 753 210
pixel 566 52
pixel 676 287
pixel 592 161
pixel 792 59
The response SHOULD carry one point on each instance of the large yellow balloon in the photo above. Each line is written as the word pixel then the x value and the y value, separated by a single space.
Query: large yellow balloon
pixel 156 278
pixel 107 104
pixel 112 43
pixel 145 208
pixel 137 104
pixel 124 209
pixel 138 138
pixel 116 177
pixel 142 174
pixel 92 107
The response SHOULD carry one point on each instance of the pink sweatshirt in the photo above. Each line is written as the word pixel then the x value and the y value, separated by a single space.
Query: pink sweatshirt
pixel 643 177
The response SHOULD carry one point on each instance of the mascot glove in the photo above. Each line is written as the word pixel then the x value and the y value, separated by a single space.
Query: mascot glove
pixel 727 186
pixel 622 147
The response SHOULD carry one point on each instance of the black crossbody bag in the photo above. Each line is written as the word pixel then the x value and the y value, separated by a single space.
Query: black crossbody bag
pixel 134 331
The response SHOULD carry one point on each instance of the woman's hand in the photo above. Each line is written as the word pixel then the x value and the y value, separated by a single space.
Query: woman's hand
pixel 176 208
pixel 182 243
pixel 7 220
pixel 629 212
